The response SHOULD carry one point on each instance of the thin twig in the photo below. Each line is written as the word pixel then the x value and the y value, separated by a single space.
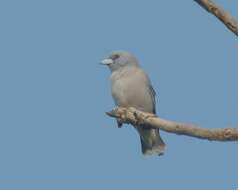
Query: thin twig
pixel 220 13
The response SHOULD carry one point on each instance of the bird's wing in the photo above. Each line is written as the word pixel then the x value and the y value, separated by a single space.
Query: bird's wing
pixel 153 94
pixel 151 90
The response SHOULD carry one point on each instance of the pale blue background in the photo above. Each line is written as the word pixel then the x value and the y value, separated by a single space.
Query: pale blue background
pixel 53 130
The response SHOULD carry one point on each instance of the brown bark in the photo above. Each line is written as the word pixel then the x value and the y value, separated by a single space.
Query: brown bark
pixel 136 117
pixel 220 13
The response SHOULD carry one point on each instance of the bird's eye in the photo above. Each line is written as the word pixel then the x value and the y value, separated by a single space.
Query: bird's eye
pixel 115 56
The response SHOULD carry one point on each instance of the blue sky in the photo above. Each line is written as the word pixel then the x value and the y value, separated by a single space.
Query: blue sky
pixel 54 133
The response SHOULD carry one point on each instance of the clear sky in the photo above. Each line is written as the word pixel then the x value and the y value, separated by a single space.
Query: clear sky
pixel 54 133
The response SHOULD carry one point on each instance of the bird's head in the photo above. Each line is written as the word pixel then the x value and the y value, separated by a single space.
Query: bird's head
pixel 120 59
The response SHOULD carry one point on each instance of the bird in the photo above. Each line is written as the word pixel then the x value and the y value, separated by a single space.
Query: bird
pixel 131 87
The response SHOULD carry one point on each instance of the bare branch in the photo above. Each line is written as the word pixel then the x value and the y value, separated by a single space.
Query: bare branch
pixel 136 117
pixel 220 13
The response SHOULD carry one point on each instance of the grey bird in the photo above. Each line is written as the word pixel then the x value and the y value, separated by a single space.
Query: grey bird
pixel 131 87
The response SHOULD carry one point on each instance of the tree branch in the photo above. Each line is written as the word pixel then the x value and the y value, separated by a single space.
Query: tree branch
pixel 220 13
pixel 136 117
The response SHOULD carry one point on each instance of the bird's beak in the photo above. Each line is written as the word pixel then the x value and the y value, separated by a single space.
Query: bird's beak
pixel 107 61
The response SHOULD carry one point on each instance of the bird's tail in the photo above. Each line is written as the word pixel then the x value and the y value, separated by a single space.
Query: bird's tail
pixel 151 142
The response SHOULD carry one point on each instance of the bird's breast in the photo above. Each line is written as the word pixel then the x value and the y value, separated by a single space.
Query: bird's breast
pixel 131 91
